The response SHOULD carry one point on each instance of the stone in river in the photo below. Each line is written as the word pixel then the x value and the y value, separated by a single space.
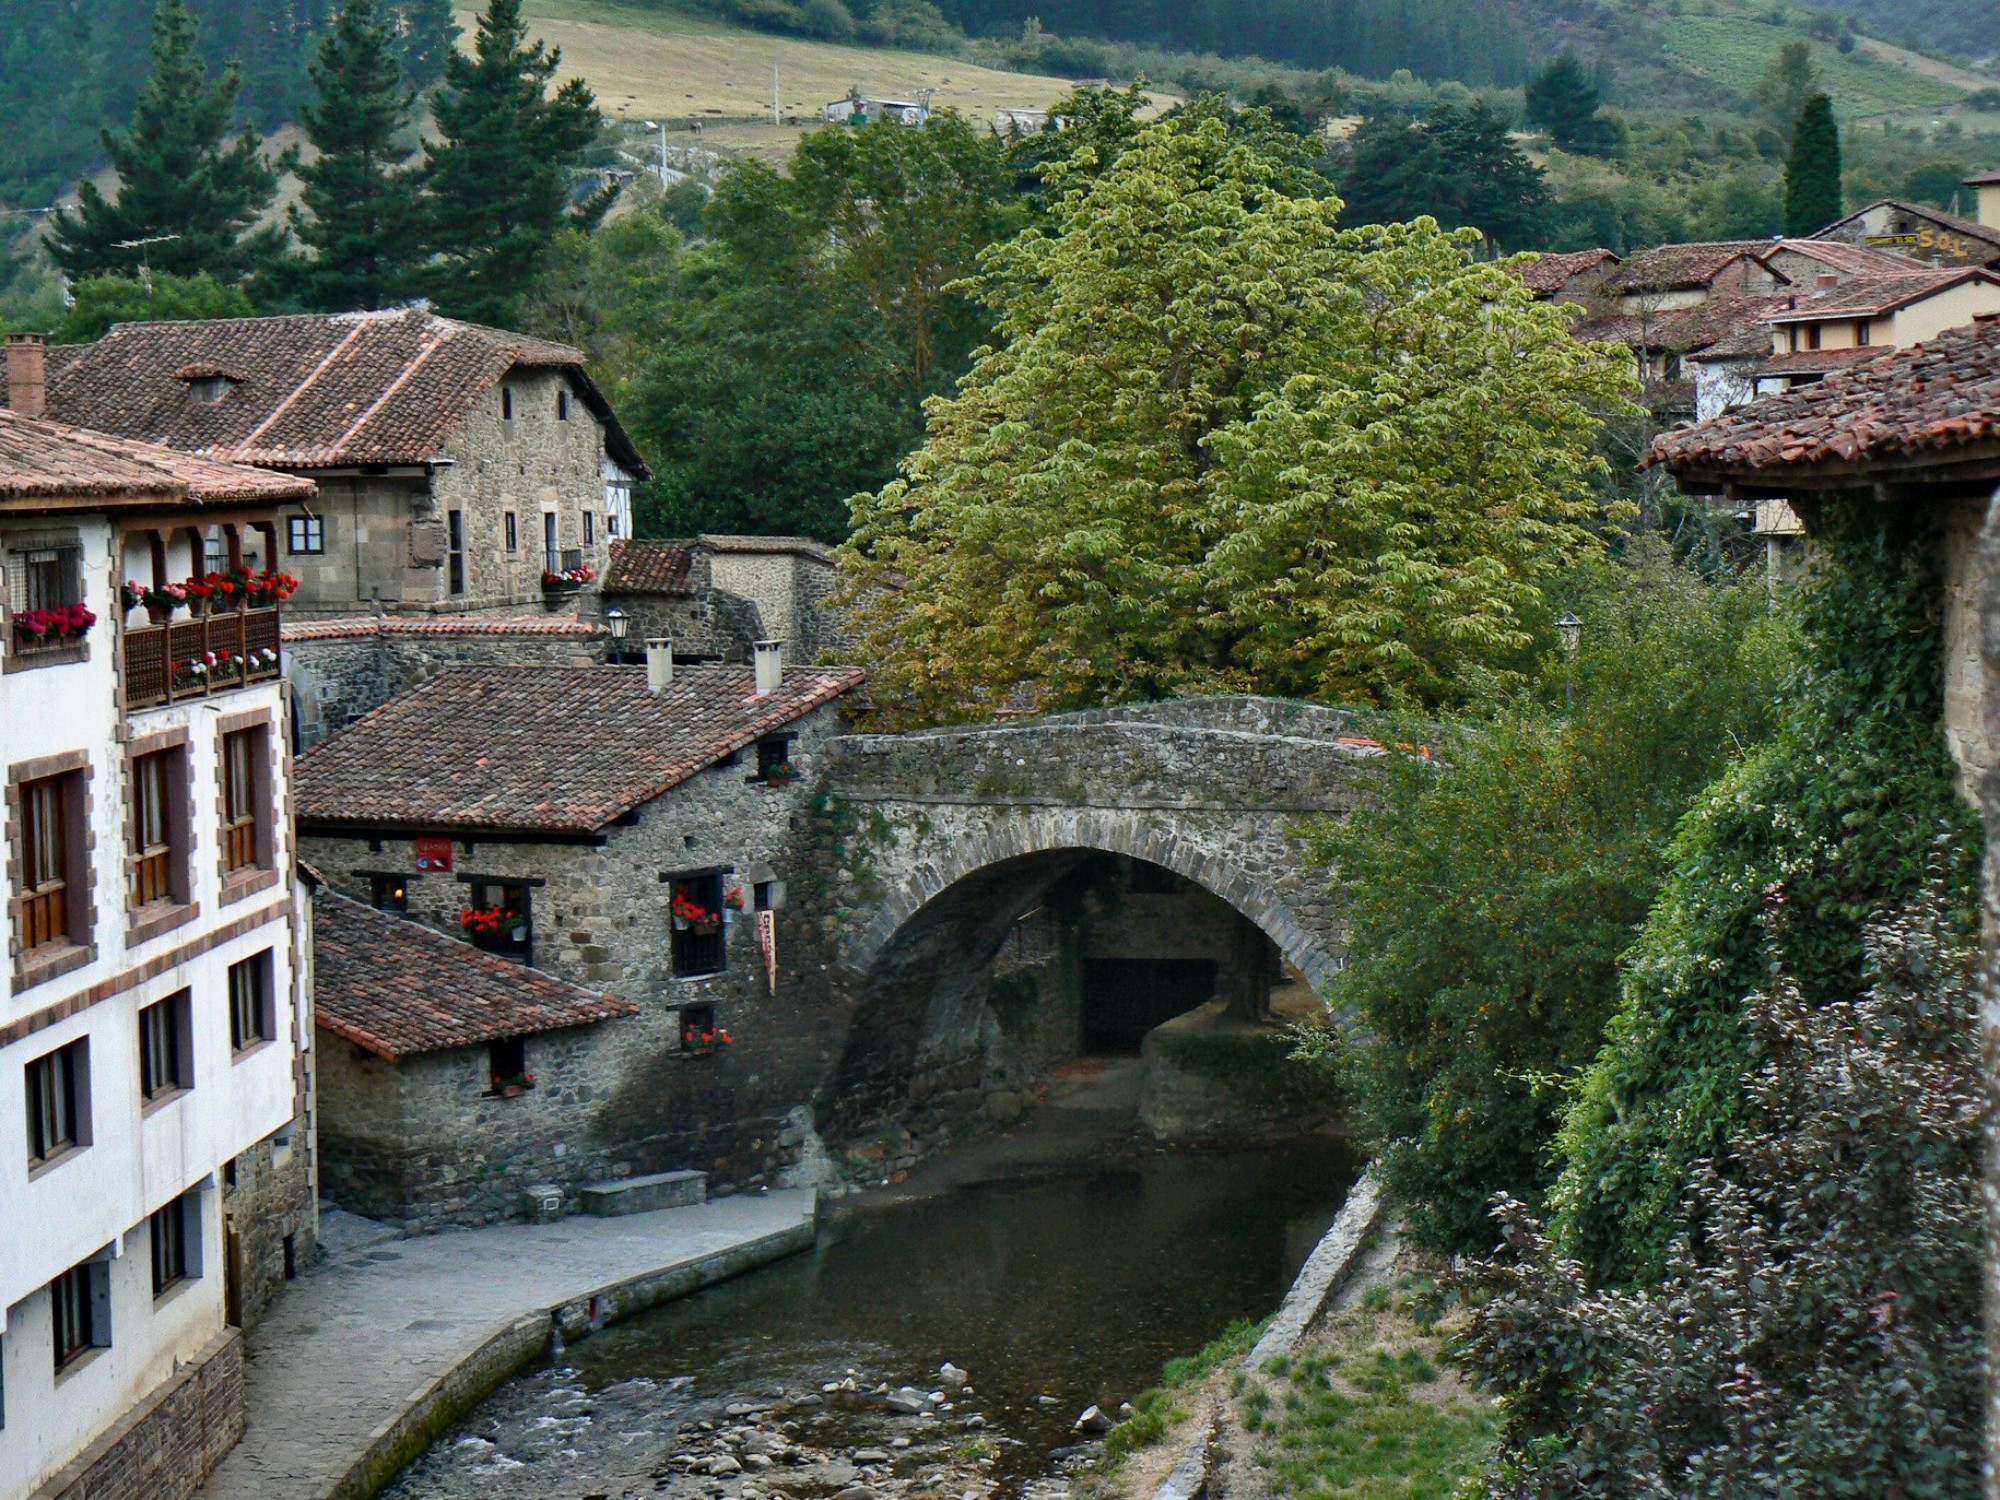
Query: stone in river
pixel 906 1402
pixel 870 1456
pixel 952 1375
pixel 857 1492
pixel 756 1461
pixel 975 1421
pixel 724 1465
pixel 1093 1422
pixel 899 1442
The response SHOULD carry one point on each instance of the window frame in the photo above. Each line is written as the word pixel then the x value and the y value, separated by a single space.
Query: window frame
pixel 454 553
pixel 562 403
pixel 166 1046
pixel 79 1314
pixel 698 955
pixel 589 528
pixel 175 1243
pixel 377 893
pixel 57 1083
pixel 305 535
pixel 244 826
pixel 511 526
pixel 514 895
pixel 25 586
pixel 253 1020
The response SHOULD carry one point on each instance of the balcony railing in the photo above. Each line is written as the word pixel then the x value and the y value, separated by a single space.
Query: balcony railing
pixel 199 658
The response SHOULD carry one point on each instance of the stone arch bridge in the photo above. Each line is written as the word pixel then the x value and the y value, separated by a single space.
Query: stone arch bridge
pixel 950 848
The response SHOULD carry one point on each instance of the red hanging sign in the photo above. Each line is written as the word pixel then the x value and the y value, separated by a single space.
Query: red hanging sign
pixel 433 854
pixel 767 941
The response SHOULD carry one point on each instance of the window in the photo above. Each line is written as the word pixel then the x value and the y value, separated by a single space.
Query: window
pixel 455 550
pixel 166 1062
pixel 43 577
pixel 550 549
pixel 214 556
pixel 176 1243
pixel 390 893
pixel 1792 335
pixel 562 406
pixel 507 1066
pixel 697 1028
pixel 46 911
pixel 1864 335
pixel 1813 337
pixel 305 536
pixel 513 532
pixel 80 1301
pixel 611 523
pixel 159 803
pixel 506 403
pixel 251 1022
pixel 589 529
pixel 501 918
pixel 207 390
pixel 774 758
pixel 698 939
pixel 243 823
pixel 58 1103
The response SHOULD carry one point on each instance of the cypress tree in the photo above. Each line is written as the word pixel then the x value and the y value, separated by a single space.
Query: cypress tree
pixel 178 175
pixel 359 224
pixel 498 181
pixel 1813 196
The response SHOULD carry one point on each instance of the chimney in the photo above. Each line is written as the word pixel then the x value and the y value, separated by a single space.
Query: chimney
pixel 1827 282
pixel 659 664
pixel 27 374
pixel 770 666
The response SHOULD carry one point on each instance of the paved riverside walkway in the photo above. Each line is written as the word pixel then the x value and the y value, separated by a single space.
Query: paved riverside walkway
pixel 360 1364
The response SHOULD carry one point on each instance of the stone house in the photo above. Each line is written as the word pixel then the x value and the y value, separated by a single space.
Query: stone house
pixel 716 596
pixel 1928 235
pixel 452 1078
pixel 156 1141
pixel 624 828
pixel 455 464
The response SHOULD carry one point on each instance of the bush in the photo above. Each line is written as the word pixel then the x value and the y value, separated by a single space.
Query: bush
pixel 1840 810
pixel 1490 900
pixel 1817 1332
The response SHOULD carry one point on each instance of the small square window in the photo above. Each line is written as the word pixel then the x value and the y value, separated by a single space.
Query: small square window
pixel 698 1033
pixel 390 893
pixel 774 758
pixel 507 1066
pixel 305 536
pixel 501 918
pixel 252 1010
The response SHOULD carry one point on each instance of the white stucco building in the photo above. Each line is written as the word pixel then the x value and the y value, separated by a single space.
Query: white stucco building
pixel 151 1027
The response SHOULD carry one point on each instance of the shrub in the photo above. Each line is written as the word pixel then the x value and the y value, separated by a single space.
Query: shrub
pixel 1817 1329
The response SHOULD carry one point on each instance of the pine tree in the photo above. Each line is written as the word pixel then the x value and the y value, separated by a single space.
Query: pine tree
pixel 1813 196
pixel 429 36
pixel 1563 101
pixel 181 181
pixel 360 219
pixel 498 181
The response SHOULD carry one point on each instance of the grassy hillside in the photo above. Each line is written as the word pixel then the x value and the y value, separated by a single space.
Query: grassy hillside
pixel 1971 27
pixel 1733 50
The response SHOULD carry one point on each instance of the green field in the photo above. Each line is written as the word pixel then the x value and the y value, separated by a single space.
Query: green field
pixel 1733 51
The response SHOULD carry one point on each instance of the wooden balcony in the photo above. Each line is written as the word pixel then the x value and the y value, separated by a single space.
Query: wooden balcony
pixel 171 663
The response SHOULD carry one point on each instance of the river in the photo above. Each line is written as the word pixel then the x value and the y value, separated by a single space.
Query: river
pixel 1053 1294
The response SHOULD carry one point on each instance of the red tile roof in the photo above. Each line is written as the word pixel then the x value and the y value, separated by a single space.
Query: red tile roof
pixel 310 390
pixel 1850 260
pixel 1876 296
pixel 1925 402
pixel 544 749
pixel 1672 268
pixel 43 460
pixel 644 566
pixel 399 988
pixel 1548 274
pixel 1818 361
pixel 1984 179
pixel 1684 330
pixel 385 625
pixel 1938 216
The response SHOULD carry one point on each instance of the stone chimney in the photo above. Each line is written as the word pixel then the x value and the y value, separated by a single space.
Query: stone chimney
pixel 27 374
pixel 659 664
pixel 770 658
pixel 1827 282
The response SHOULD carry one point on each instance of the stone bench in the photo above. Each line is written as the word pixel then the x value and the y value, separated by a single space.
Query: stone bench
pixel 639 1195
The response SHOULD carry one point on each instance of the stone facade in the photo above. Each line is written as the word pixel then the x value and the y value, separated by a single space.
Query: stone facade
pixel 622 1097
pixel 169 1443
pixel 738 590
pixel 340 670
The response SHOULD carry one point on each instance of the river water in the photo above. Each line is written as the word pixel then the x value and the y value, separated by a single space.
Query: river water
pixel 1053 1294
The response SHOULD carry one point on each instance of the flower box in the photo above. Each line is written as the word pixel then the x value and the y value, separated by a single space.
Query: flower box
pixel 42 629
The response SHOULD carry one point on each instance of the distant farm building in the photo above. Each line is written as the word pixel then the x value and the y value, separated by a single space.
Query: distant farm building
pixel 861 110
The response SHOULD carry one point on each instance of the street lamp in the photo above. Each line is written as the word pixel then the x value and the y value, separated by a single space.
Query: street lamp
pixel 1571 630
pixel 616 621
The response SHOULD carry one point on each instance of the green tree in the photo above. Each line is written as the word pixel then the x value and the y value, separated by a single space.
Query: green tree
pixel 1812 173
pixel 428 36
pixel 1787 82
pixel 1222 443
pixel 1491 890
pixel 358 215
pixel 498 180
pixel 1564 102
pixel 1940 182
pixel 1458 167
pixel 102 301
pixel 181 181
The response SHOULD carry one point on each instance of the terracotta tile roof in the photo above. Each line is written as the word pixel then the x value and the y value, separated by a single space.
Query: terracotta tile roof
pixel 1875 296
pixel 1984 179
pixel 310 390
pixel 544 749
pixel 1685 330
pixel 1751 341
pixel 399 988
pixel 1850 260
pixel 1548 274
pixel 387 625
pixel 1938 216
pixel 1925 401
pixel 644 566
pixel 45 460
pixel 1673 268
pixel 797 546
pixel 1818 361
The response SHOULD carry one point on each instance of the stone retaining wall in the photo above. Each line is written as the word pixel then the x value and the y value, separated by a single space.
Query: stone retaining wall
pixel 170 1442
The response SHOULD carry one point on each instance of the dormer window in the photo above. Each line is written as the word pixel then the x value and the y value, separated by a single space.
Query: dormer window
pixel 208 385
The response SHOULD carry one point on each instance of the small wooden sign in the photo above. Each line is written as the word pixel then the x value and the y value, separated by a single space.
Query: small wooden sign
pixel 433 854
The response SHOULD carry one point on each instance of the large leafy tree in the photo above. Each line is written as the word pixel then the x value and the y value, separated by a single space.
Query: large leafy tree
pixel 1458 167
pixel 1220 442
pixel 183 181
pixel 1812 173
pixel 498 179
pixel 101 301
pixel 358 217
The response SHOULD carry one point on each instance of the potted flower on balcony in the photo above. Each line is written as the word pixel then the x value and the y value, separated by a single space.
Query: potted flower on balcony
pixel 226 590
pixel 695 917
pixel 734 900
pixel 267 589
pixel 512 1085
pixel 52 627
pixel 698 1038
pixel 784 773
pixel 198 594
pixel 161 602
pixel 131 594
pixel 561 584
pixel 491 922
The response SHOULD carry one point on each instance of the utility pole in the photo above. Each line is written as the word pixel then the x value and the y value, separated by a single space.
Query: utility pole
pixel 775 120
